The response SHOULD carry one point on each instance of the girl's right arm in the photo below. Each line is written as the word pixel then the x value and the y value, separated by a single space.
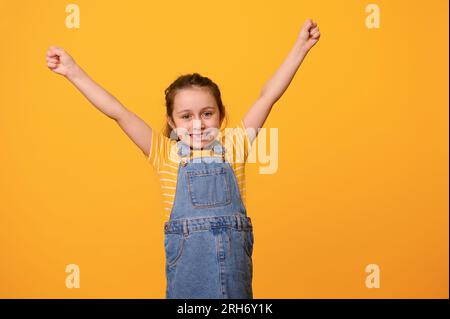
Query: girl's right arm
pixel 134 127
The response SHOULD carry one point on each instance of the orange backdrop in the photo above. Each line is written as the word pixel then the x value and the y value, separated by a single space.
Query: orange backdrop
pixel 363 145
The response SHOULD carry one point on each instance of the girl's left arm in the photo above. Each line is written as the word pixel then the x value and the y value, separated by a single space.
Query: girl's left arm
pixel 277 85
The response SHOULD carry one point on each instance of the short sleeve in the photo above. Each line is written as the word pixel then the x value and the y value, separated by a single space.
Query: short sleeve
pixel 239 141
pixel 159 149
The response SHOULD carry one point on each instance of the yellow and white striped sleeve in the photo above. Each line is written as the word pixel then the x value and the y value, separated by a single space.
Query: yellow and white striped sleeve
pixel 237 141
pixel 159 147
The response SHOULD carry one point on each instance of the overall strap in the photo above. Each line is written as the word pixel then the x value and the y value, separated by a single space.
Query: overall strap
pixel 185 151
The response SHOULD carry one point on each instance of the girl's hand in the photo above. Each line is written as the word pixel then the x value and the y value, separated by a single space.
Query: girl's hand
pixel 309 35
pixel 59 61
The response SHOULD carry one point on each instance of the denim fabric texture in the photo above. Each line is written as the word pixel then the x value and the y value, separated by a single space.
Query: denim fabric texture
pixel 208 239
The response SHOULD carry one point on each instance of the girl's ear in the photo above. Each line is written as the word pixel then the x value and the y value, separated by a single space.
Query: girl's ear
pixel 169 120
pixel 173 132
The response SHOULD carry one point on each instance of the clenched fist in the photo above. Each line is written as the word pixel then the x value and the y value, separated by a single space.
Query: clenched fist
pixel 309 35
pixel 59 61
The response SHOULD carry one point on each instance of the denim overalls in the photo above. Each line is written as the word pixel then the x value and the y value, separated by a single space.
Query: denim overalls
pixel 209 238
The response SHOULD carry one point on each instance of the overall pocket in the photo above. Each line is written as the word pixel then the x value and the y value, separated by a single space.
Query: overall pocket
pixel 248 241
pixel 173 246
pixel 209 187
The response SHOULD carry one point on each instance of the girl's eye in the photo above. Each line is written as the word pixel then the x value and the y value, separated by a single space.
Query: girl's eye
pixel 185 116
pixel 208 113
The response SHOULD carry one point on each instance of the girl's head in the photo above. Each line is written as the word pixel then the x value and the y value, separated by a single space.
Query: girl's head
pixel 195 111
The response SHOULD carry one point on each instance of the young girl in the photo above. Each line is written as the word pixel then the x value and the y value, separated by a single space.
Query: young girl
pixel 209 237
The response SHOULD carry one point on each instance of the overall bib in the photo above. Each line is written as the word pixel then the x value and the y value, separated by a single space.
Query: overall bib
pixel 208 239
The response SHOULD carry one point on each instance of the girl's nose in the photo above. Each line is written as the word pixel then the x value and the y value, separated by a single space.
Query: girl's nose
pixel 198 124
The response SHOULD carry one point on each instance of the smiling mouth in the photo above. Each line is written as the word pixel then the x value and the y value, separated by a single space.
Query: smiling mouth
pixel 201 136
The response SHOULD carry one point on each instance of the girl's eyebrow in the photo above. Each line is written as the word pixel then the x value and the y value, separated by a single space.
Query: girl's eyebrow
pixel 206 107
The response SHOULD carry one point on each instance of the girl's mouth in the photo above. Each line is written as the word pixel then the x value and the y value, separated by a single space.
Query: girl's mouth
pixel 197 136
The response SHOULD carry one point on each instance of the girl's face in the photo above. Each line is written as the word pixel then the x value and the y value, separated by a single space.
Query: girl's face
pixel 196 117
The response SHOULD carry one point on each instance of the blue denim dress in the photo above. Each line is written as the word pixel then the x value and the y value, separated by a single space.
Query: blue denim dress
pixel 209 238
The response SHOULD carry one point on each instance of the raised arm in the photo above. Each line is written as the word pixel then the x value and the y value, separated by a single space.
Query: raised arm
pixel 277 85
pixel 136 129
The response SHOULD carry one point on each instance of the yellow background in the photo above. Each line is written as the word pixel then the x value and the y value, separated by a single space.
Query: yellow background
pixel 363 145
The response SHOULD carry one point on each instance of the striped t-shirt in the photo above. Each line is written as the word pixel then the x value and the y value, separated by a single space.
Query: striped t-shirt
pixel 165 160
